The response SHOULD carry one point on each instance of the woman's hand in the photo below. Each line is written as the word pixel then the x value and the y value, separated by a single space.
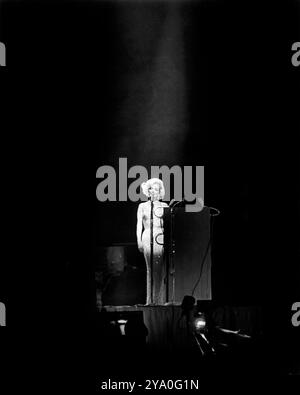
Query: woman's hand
pixel 139 227
pixel 140 246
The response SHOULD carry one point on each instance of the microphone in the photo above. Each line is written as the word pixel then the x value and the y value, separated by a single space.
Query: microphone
pixel 196 201
pixel 184 202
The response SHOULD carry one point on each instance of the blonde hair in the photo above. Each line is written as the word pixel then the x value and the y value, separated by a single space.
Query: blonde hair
pixel 148 184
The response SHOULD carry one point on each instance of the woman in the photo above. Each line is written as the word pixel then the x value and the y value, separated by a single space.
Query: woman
pixel 155 191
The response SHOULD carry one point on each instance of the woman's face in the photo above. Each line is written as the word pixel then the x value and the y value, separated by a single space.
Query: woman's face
pixel 154 191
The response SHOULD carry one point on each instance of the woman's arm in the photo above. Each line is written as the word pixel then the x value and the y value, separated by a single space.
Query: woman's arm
pixel 139 227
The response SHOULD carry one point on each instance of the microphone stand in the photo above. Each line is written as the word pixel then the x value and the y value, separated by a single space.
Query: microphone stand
pixel 151 251
pixel 171 266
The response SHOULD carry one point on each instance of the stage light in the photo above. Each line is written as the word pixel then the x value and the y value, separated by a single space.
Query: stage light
pixel 200 333
pixel 199 323
pixel 122 324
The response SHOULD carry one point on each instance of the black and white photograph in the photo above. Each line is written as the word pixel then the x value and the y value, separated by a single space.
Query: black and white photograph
pixel 151 184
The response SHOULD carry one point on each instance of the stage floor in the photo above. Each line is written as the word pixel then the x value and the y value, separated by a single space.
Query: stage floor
pixel 167 327
pixel 165 324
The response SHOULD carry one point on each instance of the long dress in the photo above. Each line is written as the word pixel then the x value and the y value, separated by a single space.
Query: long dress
pixel 158 269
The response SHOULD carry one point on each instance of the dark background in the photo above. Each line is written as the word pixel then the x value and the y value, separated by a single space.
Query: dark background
pixel 66 110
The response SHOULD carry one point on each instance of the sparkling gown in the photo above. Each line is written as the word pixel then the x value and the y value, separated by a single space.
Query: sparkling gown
pixel 159 271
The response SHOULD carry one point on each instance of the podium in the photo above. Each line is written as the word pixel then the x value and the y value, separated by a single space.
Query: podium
pixel 187 252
